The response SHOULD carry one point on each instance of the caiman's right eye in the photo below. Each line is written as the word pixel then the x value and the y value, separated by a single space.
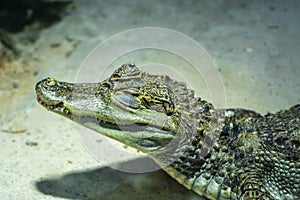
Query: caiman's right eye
pixel 128 100
pixel 50 82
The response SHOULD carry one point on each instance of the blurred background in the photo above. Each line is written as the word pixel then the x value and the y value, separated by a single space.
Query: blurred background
pixel 255 45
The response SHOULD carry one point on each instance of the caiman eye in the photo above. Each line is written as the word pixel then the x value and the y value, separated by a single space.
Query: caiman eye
pixel 128 100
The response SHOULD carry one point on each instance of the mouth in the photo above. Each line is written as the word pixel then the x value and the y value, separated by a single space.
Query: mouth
pixel 59 107
pixel 140 136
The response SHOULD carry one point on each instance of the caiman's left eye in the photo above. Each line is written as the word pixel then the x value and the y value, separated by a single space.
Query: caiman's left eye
pixel 128 100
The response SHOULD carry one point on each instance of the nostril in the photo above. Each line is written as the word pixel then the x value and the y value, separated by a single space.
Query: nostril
pixel 50 82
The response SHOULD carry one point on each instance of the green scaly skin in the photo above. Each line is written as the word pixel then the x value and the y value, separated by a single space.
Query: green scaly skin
pixel 218 153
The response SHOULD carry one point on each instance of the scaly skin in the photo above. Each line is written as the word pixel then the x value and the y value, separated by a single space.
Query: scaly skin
pixel 218 153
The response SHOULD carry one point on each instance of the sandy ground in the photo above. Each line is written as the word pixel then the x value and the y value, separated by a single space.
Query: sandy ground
pixel 254 44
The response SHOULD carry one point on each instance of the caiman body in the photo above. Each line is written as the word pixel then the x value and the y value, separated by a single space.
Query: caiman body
pixel 218 153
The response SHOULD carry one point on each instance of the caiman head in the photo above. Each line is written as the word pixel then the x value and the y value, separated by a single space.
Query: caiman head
pixel 141 110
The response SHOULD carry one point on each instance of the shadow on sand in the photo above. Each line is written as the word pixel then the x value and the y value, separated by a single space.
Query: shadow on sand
pixel 110 184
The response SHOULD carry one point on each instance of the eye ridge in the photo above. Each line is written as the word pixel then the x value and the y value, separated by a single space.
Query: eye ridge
pixel 166 105
pixel 136 100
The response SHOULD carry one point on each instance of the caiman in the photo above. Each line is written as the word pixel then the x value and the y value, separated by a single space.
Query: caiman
pixel 217 153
